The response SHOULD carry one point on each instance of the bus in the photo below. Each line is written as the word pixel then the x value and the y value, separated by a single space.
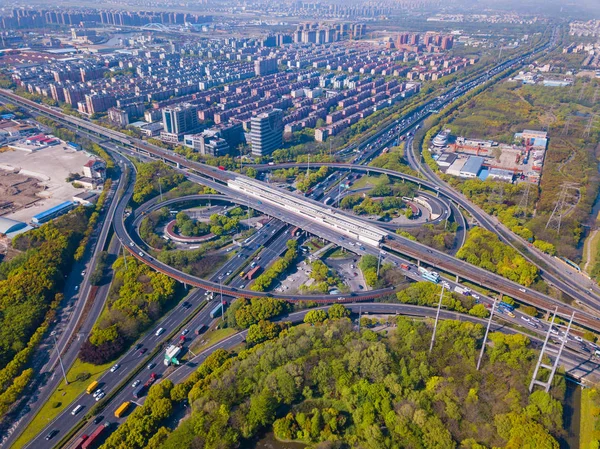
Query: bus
pixel 122 409
pixel 430 276
pixel 92 387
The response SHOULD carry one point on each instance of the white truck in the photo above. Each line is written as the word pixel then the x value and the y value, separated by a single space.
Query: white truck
pixel 171 355
pixel 462 290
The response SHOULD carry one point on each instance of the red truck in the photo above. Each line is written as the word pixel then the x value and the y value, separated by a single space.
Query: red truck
pixel 94 436
pixel 79 443
pixel 252 272
pixel 221 167
pixel 151 380
pixel 404 266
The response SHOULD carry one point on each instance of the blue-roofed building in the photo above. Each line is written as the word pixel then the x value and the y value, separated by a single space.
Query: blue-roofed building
pixel 53 212
pixel 472 167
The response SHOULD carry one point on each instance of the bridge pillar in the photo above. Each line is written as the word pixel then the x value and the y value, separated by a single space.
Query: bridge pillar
pixel 178 165
pixel 418 263
pixel 457 278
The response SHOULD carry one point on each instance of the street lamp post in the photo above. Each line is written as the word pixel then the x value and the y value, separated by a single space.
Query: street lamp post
pixel 221 289
pixel 53 333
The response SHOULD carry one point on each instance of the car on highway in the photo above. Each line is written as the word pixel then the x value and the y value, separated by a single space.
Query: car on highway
pixel 159 331
pixel 185 332
pixel 98 419
pixel 77 409
pixel 51 434
pixel 100 396
pixel 83 273
pixel 76 287
pixel 151 365
pixel 138 346
pixel 523 290
pixel 143 351
pixel 136 383
pixel 97 392
pixel 115 367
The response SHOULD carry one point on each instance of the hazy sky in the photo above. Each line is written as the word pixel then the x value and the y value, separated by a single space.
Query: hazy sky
pixel 554 7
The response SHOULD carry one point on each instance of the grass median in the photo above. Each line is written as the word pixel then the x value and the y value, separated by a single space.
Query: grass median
pixel 62 397
pixel 587 432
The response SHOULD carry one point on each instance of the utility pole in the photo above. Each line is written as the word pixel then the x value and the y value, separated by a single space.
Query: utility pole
pixel 487 330
pixel 359 316
pixel 378 263
pixel 160 189
pixel 437 316
pixel 62 367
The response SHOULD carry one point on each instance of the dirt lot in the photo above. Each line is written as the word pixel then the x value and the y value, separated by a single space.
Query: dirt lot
pixel 17 191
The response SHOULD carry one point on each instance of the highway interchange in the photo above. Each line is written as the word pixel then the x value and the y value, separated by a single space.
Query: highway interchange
pixel 132 361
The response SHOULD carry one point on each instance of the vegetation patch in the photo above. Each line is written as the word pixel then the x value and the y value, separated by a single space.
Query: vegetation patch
pixel 483 249
pixel 331 385
pixel 590 418
pixel 138 297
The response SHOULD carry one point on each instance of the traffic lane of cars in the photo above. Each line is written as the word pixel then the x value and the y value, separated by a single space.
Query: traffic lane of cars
pixel 110 379
pixel 158 368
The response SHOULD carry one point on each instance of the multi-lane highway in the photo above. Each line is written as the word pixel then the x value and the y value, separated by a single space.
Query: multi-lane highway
pixel 578 366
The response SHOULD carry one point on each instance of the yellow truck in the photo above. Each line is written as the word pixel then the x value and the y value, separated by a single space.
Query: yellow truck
pixel 122 409
pixel 92 387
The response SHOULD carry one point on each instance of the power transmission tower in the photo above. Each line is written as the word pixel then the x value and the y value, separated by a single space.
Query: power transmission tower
pixel 487 331
pixel 499 192
pixel 565 130
pixel 437 316
pixel 524 201
pixel 554 366
pixel 588 128
pixel 562 206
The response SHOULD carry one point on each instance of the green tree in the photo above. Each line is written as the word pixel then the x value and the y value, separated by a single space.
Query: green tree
pixel 315 316
pixel 337 311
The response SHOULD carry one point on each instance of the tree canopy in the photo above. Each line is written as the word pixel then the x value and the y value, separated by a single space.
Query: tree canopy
pixel 332 385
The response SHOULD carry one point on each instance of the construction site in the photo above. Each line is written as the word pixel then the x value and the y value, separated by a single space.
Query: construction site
pixel 521 161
